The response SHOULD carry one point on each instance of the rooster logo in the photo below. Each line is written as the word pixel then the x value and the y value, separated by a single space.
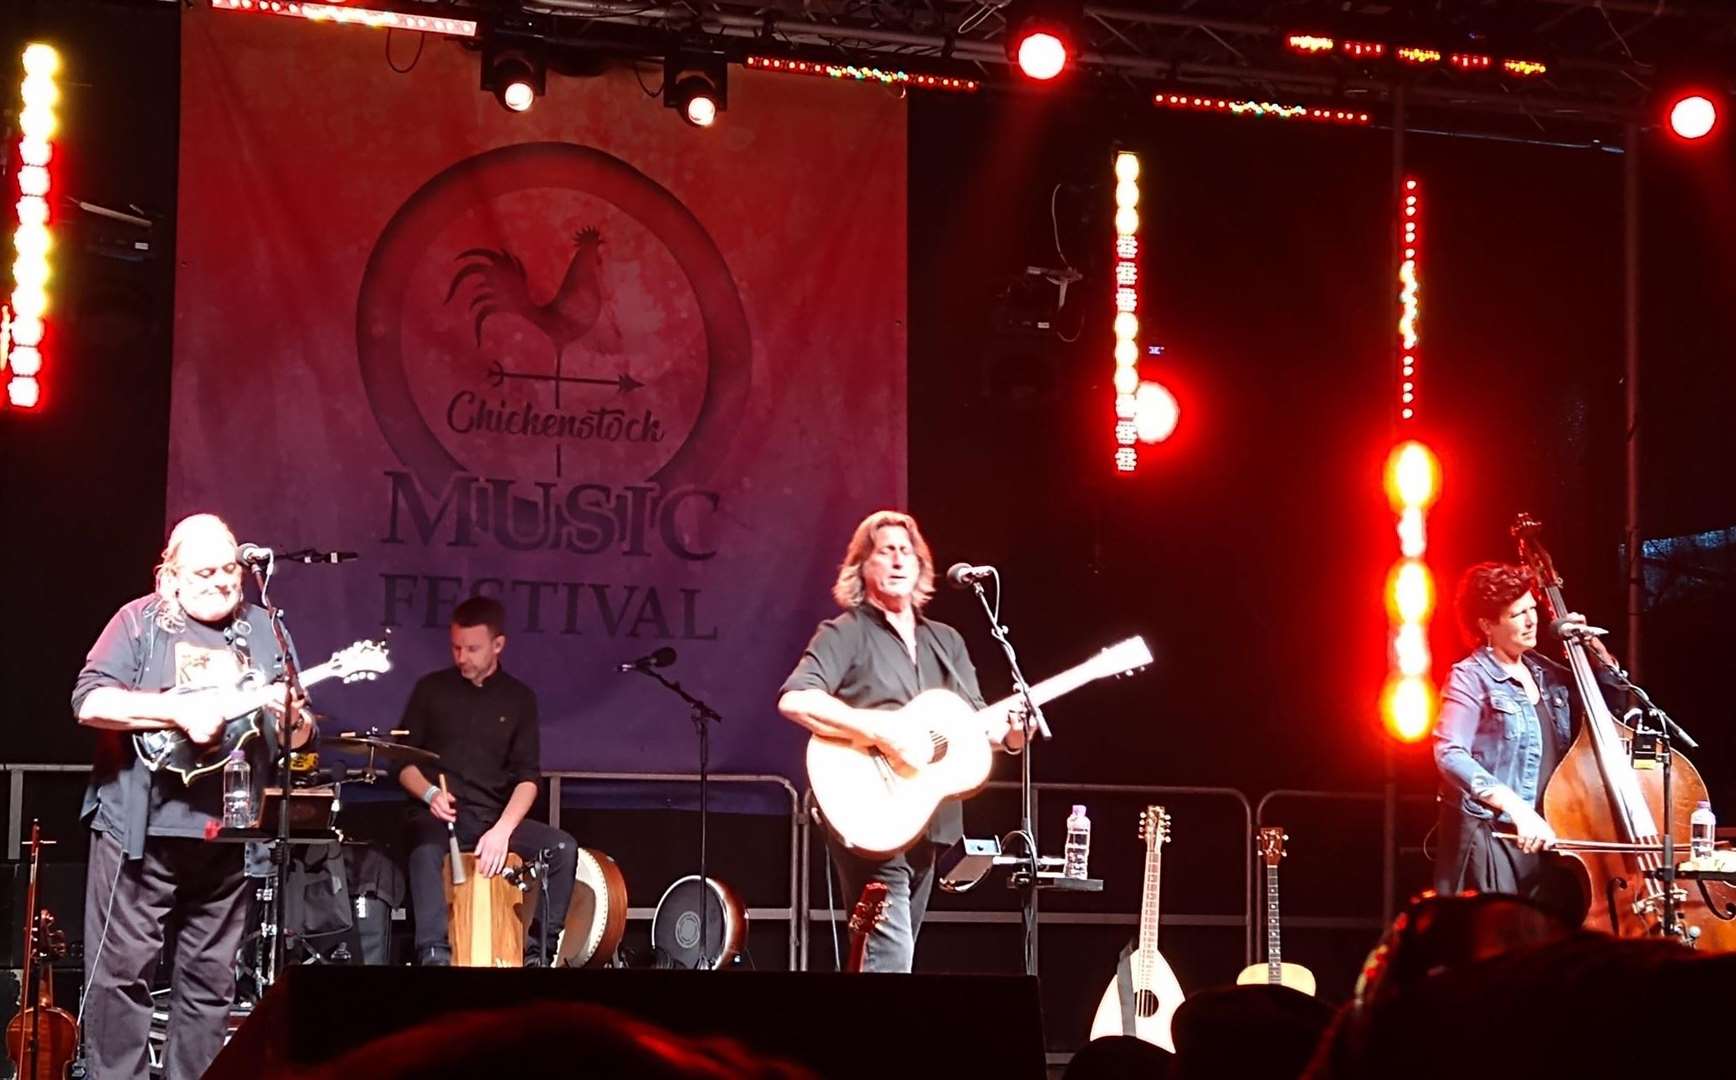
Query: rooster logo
pixel 579 313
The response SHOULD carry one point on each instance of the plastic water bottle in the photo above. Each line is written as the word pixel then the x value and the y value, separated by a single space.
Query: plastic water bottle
pixel 1702 830
pixel 1078 850
pixel 237 792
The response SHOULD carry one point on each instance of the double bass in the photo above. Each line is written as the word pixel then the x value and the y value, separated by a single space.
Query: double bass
pixel 40 1038
pixel 1608 812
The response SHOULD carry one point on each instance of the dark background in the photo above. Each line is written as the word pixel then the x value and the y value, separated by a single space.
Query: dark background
pixel 1250 550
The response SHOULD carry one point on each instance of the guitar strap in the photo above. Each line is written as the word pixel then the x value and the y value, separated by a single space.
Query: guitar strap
pixel 1124 986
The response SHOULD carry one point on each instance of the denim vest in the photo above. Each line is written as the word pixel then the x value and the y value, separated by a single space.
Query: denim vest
pixel 1489 734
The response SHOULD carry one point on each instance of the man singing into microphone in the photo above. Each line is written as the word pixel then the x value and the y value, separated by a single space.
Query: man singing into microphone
pixel 483 724
pixel 876 656
pixel 151 864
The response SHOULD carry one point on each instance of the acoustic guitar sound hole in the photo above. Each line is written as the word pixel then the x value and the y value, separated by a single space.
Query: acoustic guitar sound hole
pixel 939 747
pixel 1144 1004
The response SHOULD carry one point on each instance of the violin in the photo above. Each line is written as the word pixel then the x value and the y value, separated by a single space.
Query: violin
pixel 1607 811
pixel 40 1039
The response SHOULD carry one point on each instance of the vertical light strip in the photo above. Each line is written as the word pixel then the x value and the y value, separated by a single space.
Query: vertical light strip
pixel 1126 310
pixel 1409 300
pixel 21 342
pixel 1413 482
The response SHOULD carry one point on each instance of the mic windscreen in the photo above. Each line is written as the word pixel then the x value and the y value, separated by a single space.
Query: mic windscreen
pixel 663 657
pixel 957 574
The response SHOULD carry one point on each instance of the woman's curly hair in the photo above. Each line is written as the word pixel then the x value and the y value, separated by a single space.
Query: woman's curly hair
pixel 1484 593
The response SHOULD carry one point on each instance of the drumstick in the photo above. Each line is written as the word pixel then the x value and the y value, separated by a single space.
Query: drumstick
pixel 452 841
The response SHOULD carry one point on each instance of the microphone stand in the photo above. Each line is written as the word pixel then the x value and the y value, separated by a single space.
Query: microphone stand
pixel 702 715
pixel 292 692
pixel 1659 734
pixel 1027 822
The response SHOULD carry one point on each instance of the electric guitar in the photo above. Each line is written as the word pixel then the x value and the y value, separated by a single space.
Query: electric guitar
pixel 1274 972
pixel 870 911
pixel 171 750
pixel 1142 997
pixel 878 810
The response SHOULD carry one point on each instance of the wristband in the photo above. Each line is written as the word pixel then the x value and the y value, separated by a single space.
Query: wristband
pixel 428 794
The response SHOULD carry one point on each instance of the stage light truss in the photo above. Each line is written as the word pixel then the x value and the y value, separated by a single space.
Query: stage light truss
pixel 1221 49
pixel 23 319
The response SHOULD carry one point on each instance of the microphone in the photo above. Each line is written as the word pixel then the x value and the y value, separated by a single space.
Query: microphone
pixel 964 575
pixel 254 554
pixel 1568 628
pixel 663 657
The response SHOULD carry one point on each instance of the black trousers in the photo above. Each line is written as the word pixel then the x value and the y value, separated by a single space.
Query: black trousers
pixel 428 847
pixel 127 905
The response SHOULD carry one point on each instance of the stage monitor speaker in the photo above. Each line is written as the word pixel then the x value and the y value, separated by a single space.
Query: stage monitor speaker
pixel 839 1026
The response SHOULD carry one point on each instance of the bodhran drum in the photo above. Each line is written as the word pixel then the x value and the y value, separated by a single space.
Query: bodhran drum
pixel 675 928
pixel 597 916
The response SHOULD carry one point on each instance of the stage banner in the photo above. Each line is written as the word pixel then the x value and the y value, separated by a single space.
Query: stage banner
pixel 635 379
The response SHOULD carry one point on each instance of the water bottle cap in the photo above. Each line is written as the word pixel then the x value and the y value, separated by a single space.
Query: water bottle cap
pixel 1703 805
pixel 237 755
pixel 1078 810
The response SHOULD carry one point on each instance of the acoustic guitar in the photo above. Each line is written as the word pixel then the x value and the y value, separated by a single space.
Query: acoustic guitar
pixel 170 750
pixel 1142 997
pixel 870 911
pixel 878 810
pixel 1275 972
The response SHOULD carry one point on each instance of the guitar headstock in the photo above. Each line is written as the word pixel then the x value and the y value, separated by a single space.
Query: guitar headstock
pixel 870 910
pixel 1271 844
pixel 363 660
pixel 1122 658
pixel 1154 827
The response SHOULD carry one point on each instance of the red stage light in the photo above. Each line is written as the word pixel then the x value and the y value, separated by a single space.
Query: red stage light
pixel 1156 412
pixel 1693 116
pixel 1042 55
pixel 1408 707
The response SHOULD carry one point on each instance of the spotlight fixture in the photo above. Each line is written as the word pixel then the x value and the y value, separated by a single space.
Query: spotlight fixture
pixel 515 75
pixel 1041 35
pixel 1693 114
pixel 696 87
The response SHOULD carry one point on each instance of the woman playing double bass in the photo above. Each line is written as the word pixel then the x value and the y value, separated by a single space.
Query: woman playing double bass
pixel 1506 720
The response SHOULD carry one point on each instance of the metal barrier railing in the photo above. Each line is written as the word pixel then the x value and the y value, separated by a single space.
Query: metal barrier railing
pixel 1389 800
pixel 1245 920
pixel 800 913
pixel 17 772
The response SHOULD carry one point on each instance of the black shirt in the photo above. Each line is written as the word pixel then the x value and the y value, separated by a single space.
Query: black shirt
pixel 860 659
pixel 486 736
pixel 124 798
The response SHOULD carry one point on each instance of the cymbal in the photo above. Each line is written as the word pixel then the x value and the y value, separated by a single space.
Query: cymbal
pixel 354 741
